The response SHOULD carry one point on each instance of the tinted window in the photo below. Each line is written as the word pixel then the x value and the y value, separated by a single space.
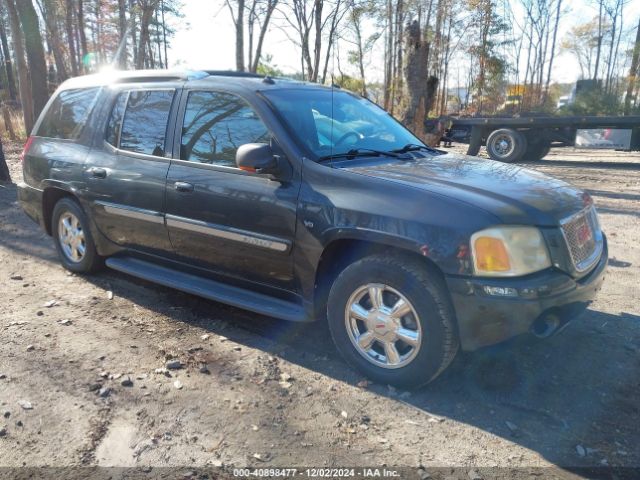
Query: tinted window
pixel 67 114
pixel 115 119
pixel 215 125
pixel 145 121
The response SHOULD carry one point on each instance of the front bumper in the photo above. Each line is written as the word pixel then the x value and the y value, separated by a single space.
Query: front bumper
pixel 485 319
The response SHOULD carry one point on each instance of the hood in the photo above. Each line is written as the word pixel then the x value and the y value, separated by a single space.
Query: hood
pixel 514 194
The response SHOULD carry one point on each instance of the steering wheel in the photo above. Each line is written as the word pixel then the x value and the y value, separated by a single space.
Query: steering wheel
pixel 347 135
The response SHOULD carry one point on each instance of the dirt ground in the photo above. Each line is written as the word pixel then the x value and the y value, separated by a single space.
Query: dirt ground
pixel 83 377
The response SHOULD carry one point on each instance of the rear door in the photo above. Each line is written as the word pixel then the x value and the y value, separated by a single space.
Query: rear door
pixel 127 175
pixel 222 218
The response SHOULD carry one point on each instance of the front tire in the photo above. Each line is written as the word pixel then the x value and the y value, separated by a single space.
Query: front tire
pixel 72 237
pixel 393 320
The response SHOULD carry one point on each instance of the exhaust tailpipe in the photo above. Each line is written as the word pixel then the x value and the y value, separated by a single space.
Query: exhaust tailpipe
pixel 545 326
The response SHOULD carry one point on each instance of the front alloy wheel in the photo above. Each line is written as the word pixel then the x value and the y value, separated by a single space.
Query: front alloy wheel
pixel 383 326
pixel 391 317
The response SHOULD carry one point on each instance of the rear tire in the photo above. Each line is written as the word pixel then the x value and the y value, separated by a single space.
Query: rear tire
pixel 537 151
pixel 506 145
pixel 408 348
pixel 72 237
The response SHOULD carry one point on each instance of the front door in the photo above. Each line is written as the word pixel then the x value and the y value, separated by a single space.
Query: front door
pixel 127 175
pixel 219 217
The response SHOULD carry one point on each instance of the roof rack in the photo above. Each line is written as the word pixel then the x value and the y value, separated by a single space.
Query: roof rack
pixel 132 76
pixel 232 73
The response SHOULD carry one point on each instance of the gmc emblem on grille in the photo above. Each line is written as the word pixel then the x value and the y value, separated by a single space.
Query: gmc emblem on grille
pixel 584 234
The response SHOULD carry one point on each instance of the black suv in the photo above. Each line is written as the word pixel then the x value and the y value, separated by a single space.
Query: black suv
pixel 304 202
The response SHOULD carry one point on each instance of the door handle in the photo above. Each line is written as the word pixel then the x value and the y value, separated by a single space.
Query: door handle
pixel 183 187
pixel 97 172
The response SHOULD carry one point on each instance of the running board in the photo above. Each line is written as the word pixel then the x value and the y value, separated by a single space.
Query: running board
pixel 210 289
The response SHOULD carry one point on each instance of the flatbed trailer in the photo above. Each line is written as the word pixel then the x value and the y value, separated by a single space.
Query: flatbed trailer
pixel 510 139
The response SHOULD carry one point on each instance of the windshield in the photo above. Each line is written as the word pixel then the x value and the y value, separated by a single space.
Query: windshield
pixel 331 123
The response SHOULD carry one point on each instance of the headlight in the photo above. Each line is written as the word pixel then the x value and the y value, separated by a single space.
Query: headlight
pixel 509 251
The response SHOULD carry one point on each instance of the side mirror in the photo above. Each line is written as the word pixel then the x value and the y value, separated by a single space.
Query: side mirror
pixel 256 157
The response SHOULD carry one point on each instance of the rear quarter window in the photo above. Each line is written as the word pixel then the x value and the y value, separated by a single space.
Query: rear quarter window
pixel 68 113
pixel 115 119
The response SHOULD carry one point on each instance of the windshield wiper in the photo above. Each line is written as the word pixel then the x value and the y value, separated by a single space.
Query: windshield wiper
pixel 412 147
pixel 360 152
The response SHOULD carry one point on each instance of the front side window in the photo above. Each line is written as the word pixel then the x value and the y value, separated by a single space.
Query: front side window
pixel 215 125
pixel 144 127
pixel 68 113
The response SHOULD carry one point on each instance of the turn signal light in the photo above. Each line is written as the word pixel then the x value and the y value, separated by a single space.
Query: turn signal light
pixel 491 255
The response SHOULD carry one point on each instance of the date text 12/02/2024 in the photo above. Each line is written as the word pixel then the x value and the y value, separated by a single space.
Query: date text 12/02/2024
pixel 316 472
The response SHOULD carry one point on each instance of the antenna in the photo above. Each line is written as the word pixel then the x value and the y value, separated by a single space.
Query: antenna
pixel 333 83
pixel 123 41
pixel 333 118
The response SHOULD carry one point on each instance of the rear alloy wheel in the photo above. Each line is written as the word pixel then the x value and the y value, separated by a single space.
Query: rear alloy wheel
pixel 72 237
pixel 392 319
pixel 506 145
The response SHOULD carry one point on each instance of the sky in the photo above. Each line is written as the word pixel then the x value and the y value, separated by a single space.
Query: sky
pixel 205 40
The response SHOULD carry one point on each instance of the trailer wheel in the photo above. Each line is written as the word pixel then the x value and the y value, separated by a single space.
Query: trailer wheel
pixel 506 145
pixel 537 151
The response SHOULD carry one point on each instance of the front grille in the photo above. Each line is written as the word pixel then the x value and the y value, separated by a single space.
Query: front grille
pixel 583 237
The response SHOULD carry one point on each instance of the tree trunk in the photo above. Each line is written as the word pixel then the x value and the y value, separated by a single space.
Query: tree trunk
pixel 335 20
pixel 122 34
pixel 83 37
pixel 633 73
pixel 134 28
pixel 421 88
pixel 388 67
pixel 263 31
pixel 362 76
pixel 617 49
pixel 98 39
pixel 23 69
pixel 164 35
pixel 398 83
pixel 317 48
pixel 599 46
pixel 49 15
pixel 553 50
pixel 35 55
pixel 143 43
pixel 73 59
pixel 239 24
pixel 6 116
pixel 610 59
pixel 4 169
pixel 251 22
pixel 8 66
pixel 445 73
pixel 158 40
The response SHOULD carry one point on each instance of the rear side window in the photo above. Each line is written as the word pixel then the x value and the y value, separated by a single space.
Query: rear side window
pixel 145 121
pixel 68 113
